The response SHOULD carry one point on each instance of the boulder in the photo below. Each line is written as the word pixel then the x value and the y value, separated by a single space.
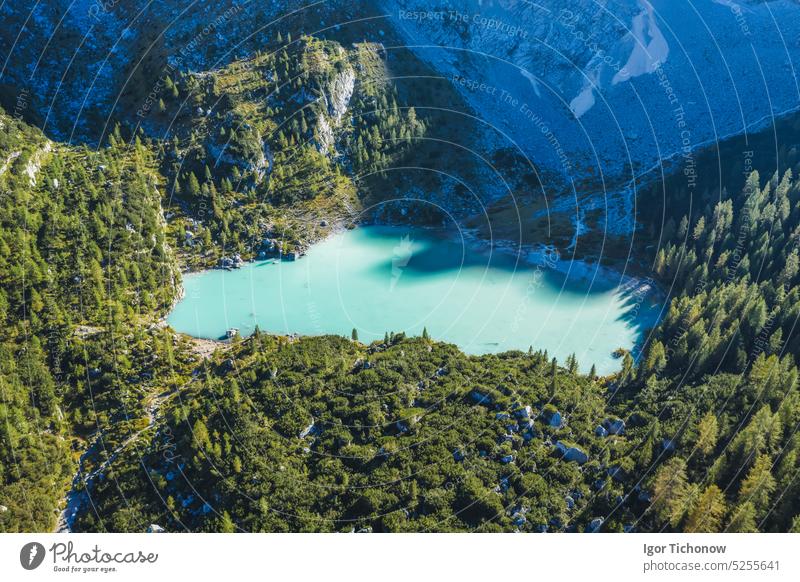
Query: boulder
pixel 523 413
pixel 572 454
pixel 616 426
pixel 595 525
pixel 555 420
pixel 479 397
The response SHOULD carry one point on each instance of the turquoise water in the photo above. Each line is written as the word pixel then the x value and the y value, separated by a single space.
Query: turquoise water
pixel 379 279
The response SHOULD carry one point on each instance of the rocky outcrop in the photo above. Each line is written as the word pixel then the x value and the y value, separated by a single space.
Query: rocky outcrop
pixel 324 135
pixel 340 93
pixel 336 100
pixel 261 164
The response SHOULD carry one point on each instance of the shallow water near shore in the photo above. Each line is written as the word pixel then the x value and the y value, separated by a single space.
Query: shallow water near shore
pixel 377 279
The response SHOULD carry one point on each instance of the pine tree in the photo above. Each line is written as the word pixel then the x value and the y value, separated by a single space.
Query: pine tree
pixel 683 228
pixel 655 361
pixel 743 519
pixel 706 515
pixel 795 525
pixel 707 430
pixel 670 491
pixel 200 434
pixel 194 185
pixel 699 228
pixel 226 524
pixel 660 266
pixel 572 363
pixel 758 486
pixel 627 368
pixel 791 269
pixel 354 335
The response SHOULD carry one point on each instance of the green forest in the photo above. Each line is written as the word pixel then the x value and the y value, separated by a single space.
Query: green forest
pixel 101 401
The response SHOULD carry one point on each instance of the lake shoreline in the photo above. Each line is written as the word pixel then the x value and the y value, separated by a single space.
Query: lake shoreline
pixel 532 296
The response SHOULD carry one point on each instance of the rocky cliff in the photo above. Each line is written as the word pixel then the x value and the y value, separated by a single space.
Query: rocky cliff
pixel 599 92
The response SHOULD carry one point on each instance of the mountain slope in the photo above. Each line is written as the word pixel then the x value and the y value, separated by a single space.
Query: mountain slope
pixel 83 268
pixel 596 93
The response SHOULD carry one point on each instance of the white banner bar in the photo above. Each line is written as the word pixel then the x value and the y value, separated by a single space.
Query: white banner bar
pixel 399 557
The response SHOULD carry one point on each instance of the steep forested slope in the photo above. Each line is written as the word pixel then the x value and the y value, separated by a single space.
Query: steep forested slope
pixel 82 256
pixel 719 382
pixel 273 146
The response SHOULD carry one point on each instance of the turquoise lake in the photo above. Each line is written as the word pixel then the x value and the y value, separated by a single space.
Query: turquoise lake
pixel 379 279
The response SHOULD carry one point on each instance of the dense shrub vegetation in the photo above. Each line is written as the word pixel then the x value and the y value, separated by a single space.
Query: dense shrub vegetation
pixel 326 434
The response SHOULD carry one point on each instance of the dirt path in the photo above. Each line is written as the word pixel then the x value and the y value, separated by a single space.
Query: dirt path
pixel 77 496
